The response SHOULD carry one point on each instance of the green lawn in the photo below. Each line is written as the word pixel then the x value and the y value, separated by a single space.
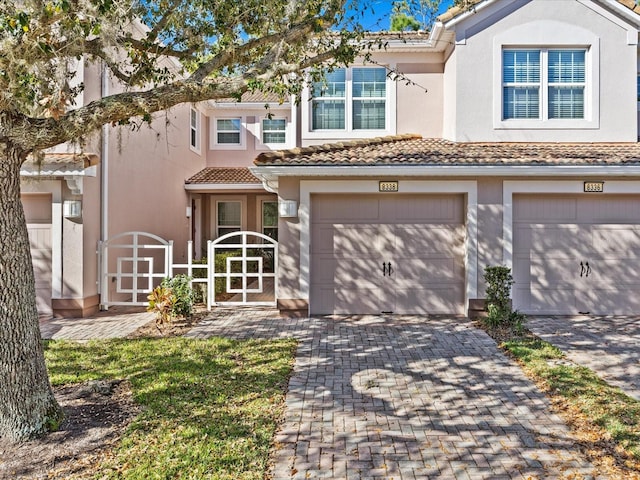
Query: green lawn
pixel 599 403
pixel 210 408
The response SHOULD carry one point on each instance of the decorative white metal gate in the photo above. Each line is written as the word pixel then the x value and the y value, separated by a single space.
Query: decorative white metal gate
pixel 142 260
pixel 240 268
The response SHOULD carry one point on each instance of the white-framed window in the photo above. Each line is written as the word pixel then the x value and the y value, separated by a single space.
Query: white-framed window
pixel 228 133
pixel 274 131
pixel 351 100
pixel 194 130
pixel 544 84
pixel 269 218
pixel 228 217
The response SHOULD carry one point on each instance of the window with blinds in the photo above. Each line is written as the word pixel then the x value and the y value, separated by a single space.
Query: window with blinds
pixel 228 130
pixel 274 130
pixel 350 99
pixel 543 84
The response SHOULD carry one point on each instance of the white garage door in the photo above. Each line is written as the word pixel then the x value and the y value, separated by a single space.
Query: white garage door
pixel 387 253
pixel 37 208
pixel 577 254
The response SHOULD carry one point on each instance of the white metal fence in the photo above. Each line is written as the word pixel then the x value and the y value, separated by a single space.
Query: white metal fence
pixel 240 269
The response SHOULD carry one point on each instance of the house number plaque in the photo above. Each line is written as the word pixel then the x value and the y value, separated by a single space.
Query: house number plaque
pixel 594 187
pixel 388 186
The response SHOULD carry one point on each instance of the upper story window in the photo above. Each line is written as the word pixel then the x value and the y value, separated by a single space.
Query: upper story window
pixel 543 84
pixel 350 99
pixel 194 130
pixel 274 131
pixel 228 133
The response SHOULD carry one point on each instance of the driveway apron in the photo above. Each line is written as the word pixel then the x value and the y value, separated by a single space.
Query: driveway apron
pixel 610 346
pixel 407 398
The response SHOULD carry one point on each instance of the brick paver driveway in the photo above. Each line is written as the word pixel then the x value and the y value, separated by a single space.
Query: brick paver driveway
pixel 610 346
pixel 406 398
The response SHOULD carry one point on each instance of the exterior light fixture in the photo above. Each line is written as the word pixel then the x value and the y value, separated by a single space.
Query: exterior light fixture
pixel 72 208
pixel 288 208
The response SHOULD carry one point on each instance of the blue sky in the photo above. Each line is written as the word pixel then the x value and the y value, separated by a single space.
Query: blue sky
pixel 377 13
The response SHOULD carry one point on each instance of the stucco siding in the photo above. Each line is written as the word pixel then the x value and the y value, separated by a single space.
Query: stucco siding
pixel 611 71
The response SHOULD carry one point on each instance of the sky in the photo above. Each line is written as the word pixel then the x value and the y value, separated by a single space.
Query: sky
pixel 377 13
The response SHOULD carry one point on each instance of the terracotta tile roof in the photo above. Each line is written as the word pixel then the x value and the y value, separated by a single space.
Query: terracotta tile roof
pixel 453 12
pixel 414 150
pixel 223 175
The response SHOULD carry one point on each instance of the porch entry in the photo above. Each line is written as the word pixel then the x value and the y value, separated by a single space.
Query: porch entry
pixel 240 269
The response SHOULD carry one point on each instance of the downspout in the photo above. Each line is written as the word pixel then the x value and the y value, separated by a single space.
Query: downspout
pixel 104 191
pixel 104 163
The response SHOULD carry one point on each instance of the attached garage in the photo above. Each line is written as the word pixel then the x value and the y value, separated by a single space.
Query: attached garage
pixel 37 208
pixel 576 254
pixel 374 253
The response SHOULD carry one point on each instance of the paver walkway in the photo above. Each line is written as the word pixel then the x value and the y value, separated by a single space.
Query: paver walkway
pixel 117 322
pixel 610 346
pixel 406 398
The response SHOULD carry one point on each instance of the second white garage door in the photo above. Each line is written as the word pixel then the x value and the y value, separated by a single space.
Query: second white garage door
pixel 387 253
pixel 577 254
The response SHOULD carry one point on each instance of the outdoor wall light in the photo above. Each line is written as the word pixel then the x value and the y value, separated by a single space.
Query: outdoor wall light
pixel 72 208
pixel 288 208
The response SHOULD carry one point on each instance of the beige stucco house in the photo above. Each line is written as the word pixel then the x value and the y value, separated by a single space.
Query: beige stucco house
pixel 510 137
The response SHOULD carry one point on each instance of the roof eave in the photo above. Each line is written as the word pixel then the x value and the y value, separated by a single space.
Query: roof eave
pixel 271 173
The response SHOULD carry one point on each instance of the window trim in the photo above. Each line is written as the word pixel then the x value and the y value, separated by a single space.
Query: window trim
pixel 260 145
pixel 261 200
pixel 564 36
pixel 349 132
pixel 215 145
pixel 197 129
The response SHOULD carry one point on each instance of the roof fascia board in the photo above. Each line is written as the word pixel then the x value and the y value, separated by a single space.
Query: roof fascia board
pixel 471 11
pixel 625 12
pixel 209 187
pixel 623 17
pixel 272 173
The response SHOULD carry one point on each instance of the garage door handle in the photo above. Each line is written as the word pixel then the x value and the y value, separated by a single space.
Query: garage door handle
pixel 386 269
pixel 588 269
pixel 581 268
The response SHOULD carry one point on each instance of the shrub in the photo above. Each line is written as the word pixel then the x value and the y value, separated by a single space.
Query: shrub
pixel 498 303
pixel 161 301
pixel 180 287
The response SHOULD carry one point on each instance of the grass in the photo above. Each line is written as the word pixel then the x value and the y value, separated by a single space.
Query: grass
pixel 210 408
pixel 582 391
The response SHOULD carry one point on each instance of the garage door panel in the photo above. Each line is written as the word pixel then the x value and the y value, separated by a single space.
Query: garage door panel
pixel 361 241
pixel 558 240
pixel 623 300
pixel 438 299
pixel 426 239
pixel 40 245
pixel 425 210
pixel 554 300
pixel 619 239
pixel 329 299
pixel 419 271
pixel 553 271
pixel 334 209
pixel 546 209
pixel 617 271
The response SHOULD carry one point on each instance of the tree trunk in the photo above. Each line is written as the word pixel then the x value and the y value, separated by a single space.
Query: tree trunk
pixel 27 405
